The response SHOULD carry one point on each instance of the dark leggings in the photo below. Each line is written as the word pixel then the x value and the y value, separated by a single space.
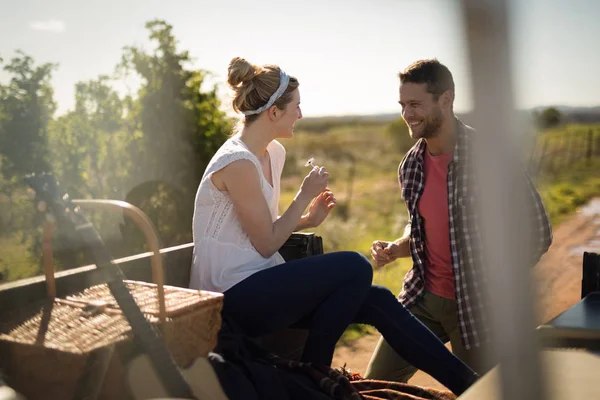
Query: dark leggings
pixel 328 292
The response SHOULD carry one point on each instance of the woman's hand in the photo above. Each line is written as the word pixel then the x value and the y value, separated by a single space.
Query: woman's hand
pixel 319 208
pixel 314 183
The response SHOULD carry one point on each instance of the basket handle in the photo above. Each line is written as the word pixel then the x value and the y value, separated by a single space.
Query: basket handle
pixel 144 224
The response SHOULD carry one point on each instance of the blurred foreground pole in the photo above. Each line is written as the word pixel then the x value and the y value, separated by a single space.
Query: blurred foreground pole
pixel 503 218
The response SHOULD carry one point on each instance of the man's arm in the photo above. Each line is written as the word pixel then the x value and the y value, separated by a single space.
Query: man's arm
pixel 403 243
pixel 384 252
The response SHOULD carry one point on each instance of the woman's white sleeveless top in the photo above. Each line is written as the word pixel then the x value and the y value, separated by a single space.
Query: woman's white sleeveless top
pixel 223 254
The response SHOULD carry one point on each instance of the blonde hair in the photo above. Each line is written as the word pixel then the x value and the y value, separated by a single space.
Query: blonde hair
pixel 254 84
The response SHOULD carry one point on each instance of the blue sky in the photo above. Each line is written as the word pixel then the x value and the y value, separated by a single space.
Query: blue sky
pixel 346 53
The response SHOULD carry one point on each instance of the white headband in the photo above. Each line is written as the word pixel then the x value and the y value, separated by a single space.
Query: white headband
pixel 284 79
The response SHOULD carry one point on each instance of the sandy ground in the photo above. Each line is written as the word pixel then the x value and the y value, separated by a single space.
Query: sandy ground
pixel 557 277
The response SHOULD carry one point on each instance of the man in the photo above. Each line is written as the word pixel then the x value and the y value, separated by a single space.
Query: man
pixel 442 288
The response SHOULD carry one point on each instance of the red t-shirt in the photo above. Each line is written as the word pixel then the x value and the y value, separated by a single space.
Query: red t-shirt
pixel 433 207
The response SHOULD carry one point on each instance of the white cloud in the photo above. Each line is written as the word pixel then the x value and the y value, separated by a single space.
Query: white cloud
pixel 50 25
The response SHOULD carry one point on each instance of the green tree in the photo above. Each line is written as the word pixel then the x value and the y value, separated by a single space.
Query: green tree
pixel 549 118
pixel 88 142
pixel 26 107
pixel 90 154
pixel 176 126
pixel 150 149
pixel 181 124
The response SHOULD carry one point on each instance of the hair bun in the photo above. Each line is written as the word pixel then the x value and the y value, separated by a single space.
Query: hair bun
pixel 240 71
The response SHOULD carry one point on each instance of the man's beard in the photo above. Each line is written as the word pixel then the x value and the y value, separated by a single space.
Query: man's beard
pixel 431 125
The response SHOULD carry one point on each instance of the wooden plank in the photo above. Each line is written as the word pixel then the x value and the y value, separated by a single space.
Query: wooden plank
pixel 177 261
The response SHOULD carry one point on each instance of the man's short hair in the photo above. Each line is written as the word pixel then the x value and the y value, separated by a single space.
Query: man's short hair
pixel 433 73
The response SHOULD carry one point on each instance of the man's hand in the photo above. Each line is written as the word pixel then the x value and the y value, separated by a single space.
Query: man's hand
pixel 384 252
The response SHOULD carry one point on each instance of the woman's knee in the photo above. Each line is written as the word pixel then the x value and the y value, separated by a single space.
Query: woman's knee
pixel 381 294
pixel 357 265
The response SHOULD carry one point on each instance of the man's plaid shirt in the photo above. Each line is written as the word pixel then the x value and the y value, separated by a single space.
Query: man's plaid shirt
pixel 464 234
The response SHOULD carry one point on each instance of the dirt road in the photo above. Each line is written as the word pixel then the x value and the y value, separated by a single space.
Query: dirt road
pixel 557 277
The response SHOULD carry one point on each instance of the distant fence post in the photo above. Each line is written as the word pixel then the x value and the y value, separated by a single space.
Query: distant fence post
pixel 542 157
pixel 557 155
pixel 571 147
pixel 583 146
pixel 590 144
pixel 531 162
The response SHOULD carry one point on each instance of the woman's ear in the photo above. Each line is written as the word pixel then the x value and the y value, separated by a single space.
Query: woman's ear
pixel 273 113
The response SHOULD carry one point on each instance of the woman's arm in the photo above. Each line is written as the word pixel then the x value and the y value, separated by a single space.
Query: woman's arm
pixel 302 224
pixel 241 179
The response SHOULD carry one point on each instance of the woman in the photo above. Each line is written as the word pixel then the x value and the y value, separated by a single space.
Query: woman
pixel 237 235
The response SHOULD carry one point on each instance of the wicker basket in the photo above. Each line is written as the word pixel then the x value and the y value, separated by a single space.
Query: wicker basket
pixel 192 320
pixel 50 349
